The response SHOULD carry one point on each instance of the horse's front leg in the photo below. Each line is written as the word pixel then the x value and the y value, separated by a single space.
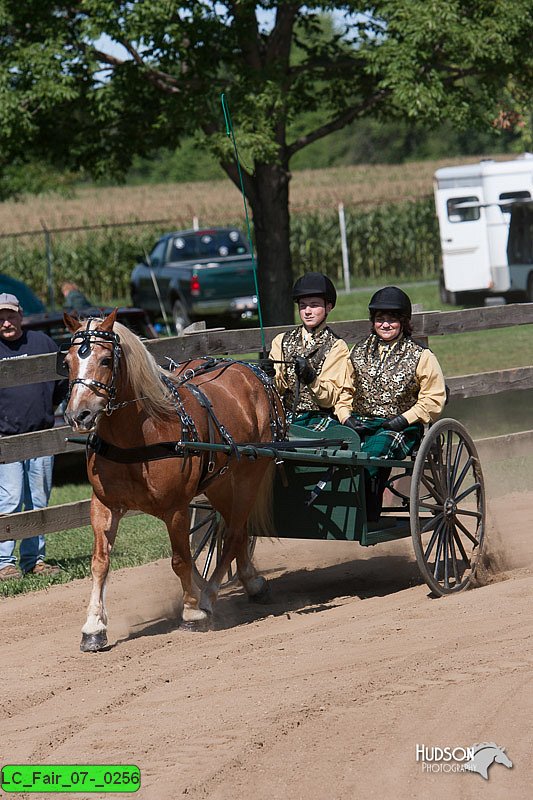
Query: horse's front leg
pixel 194 618
pixel 105 524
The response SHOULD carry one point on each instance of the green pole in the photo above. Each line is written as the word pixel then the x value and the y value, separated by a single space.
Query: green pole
pixel 230 133
pixel 49 267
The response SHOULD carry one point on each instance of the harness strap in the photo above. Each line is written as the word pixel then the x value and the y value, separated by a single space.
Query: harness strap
pixel 188 427
pixel 211 364
pixel 134 455
pixel 206 404
pixel 151 452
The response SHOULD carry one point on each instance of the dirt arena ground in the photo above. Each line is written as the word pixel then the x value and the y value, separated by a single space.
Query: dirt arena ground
pixel 324 694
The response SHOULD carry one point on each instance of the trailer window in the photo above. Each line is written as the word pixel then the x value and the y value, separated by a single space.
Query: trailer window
pixel 520 243
pixel 460 210
pixel 510 196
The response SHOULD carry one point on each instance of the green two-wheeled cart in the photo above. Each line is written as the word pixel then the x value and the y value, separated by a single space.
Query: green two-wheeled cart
pixel 435 496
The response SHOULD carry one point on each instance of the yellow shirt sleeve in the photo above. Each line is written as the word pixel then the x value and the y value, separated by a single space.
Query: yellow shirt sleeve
pixel 344 405
pixel 330 385
pixel 276 354
pixel 432 392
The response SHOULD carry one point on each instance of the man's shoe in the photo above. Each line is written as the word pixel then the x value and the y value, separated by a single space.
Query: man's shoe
pixel 6 573
pixel 42 568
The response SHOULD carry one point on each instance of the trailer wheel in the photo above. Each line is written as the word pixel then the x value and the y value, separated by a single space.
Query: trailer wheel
pixel 447 297
pixel 447 508
pixel 207 539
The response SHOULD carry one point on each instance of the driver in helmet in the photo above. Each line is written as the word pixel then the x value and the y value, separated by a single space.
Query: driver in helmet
pixel 311 362
pixel 398 386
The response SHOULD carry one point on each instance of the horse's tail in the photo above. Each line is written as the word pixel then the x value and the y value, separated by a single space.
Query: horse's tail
pixel 261 519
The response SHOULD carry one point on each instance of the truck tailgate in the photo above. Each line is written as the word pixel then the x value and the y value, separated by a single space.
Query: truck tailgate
pixel 228 280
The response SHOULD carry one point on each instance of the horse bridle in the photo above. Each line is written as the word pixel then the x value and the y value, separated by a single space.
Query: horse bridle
pixel 84 339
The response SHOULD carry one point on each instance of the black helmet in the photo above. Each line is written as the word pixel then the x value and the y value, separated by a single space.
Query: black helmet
pixel 390 298
pixel 314 283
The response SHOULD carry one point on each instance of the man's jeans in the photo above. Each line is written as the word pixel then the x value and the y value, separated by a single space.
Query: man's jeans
pixel 25 483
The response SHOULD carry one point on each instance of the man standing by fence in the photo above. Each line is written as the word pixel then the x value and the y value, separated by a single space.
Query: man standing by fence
pixel 23 409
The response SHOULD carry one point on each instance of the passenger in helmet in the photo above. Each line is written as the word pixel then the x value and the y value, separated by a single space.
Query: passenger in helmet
pixel 310 361
pixel 398 386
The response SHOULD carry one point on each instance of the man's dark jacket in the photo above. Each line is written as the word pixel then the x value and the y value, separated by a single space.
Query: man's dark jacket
pixel 29 407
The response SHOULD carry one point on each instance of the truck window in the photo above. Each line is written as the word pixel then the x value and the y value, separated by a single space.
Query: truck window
pixel 207 244
pixel 459 211
pixel 221 243
pixel 157 254
pixel 183 248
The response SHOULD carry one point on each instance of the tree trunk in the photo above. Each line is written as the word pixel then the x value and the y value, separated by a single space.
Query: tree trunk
pixel 270 208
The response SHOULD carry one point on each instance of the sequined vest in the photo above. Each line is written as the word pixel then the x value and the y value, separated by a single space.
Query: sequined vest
pixel 315 350
pixel 388 386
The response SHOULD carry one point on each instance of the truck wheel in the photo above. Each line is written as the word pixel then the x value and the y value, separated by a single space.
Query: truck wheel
pixel 529 290
pixel 180 317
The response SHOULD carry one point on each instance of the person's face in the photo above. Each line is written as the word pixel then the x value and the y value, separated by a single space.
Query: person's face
pixel 10 325
pixel 313 311
pixel 387 325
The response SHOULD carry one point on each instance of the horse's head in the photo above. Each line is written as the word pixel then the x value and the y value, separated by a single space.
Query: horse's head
pixel 485 754
pixel 92 362
pixel 502 758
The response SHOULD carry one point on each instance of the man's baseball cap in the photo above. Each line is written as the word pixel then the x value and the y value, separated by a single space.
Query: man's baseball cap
pixel 10 302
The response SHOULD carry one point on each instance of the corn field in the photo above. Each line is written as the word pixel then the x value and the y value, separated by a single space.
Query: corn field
pixel 390 241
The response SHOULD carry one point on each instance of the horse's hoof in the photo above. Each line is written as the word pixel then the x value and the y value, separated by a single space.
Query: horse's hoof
pixel 197 625
pixel 93 642
pixel 264 595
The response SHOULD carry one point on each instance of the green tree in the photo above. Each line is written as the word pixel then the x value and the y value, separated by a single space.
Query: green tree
pixel 70 100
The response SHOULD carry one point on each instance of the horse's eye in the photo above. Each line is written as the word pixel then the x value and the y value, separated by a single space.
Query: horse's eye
pixel 106 362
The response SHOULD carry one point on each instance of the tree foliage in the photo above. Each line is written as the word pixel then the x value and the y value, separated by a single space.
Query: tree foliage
pixel 67 97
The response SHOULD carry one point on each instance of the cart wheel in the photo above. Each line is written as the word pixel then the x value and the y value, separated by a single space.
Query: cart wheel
pixel 447 508
pixel 207 539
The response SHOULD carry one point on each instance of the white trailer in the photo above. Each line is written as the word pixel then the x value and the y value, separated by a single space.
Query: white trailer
pixel 473 203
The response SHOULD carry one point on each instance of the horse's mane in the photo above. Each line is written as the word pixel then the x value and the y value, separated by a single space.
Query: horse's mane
pixel 145 376
pixel 484 745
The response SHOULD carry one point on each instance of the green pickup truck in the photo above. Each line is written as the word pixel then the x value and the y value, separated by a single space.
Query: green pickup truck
pixel 197 275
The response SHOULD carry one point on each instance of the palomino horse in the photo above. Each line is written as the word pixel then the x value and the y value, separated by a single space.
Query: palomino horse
pixel 139 415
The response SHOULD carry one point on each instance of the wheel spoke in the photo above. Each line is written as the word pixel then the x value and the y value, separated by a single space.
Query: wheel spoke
pixel 432 489
pixel 445 558
pixel 475 487
pixel 461 547
pixel 203 522
pixel 209 556
pixel 439 476
pixel 449 440
pixel 454 558
pixel 438 553
pixel 466 532
pixel 434 537
pixel 466 513
pixel 205 538
pixel 430 506
pixel 456 461
pixel 431 523
pixel 462 476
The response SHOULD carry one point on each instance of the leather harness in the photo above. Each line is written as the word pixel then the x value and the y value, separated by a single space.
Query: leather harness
pixel 161 450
